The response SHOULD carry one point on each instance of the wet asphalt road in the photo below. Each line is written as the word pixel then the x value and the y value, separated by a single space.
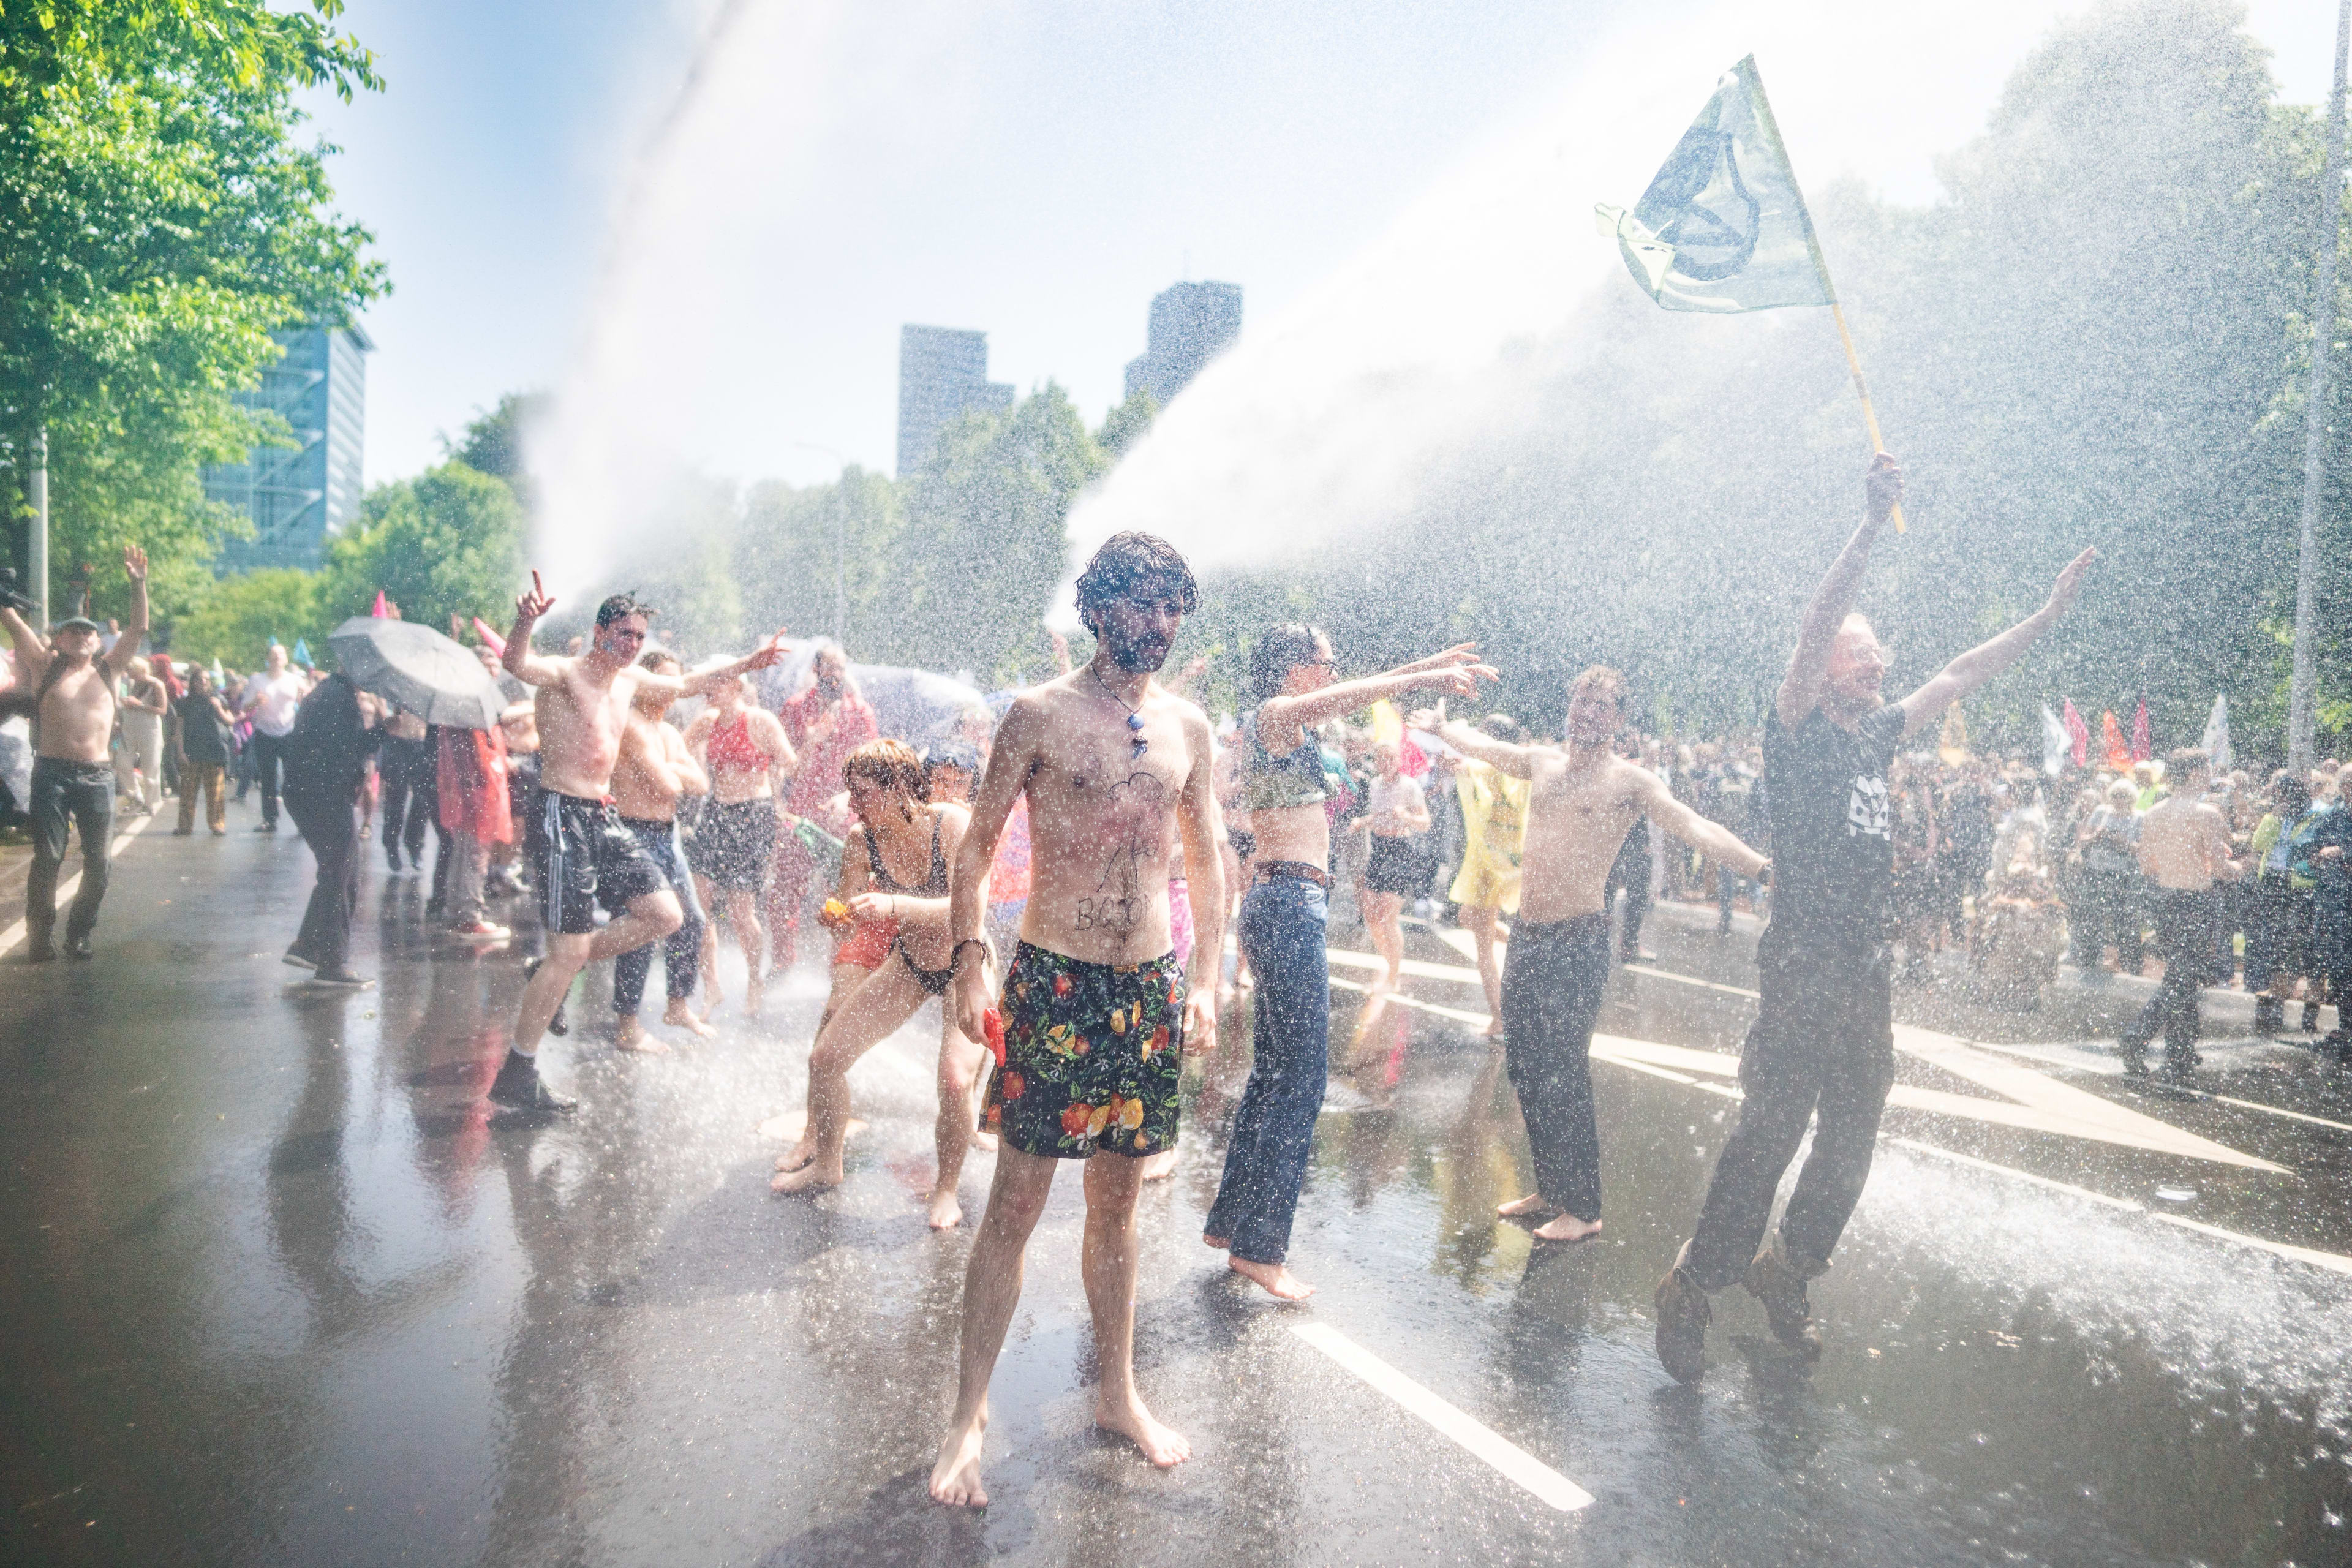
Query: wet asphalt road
pixel 276 1292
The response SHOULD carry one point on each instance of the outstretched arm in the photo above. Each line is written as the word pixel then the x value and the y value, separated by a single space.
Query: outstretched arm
pixel 1809 667
pixel 520 661
pixel 1712 839
pixel 126 647
pixel 1984 661
pixel 710 680
pixel 1517 761
pixel 1281 721
pixel 32 653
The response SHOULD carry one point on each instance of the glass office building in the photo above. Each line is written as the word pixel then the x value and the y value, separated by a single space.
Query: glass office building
pixel 299 494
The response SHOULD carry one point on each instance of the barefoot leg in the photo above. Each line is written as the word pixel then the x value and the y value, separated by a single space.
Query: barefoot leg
pixel 1532 1204
pixel 1272 1278
pixel 1109 1266
pixel 959 1062
pixel 708 896
pixel 887 999
pixel 992 1290
pixel 743 910
pixel 1567 1227
pixel 545 992
pixel 680 1015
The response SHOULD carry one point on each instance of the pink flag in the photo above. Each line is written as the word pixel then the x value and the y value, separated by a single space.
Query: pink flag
pixel 2079 733
pixel 2141 750
pixel 381 611
pixel 490 640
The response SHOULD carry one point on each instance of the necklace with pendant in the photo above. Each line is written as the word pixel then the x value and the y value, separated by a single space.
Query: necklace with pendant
pixel 1134 716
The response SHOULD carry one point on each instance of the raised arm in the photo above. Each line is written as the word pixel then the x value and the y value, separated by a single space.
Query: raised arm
pixel 1001 783
pixel 32 653
pixel 1712 839
pixel 126 645
pixel 1202 829
pixel 1987 659
pixel 1518 762
pixel 1281 721
pixel 520 661
pixel 1809 667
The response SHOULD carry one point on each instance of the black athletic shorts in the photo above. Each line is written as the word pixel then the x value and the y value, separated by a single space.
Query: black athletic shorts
pixel 584 856
pixel 1395 866
pixel 735 844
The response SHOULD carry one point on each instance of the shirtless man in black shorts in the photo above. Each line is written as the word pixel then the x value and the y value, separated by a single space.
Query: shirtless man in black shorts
pixel 1095 1009
pixel 583 855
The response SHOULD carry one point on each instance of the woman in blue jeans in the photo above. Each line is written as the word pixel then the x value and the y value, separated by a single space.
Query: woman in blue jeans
pixel 1283 917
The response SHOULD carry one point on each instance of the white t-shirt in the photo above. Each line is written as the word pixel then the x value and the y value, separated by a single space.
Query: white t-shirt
pixel 281 697
pixel 1402 795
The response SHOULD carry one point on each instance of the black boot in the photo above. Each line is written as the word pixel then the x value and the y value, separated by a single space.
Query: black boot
pixel 1778 1281
pixel 519 1085
pixel 2270 1014
pixel 1684 1312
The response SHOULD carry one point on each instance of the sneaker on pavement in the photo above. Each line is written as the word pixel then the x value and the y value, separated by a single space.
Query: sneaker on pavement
pixel 519 1086
pixel 1683 1313
pixel 300 960
pixel 341 979
pixel 41 950
pixel 1779 1284
pixel 79 947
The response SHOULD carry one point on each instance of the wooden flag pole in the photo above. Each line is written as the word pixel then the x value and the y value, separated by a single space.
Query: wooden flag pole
pixel 1861 387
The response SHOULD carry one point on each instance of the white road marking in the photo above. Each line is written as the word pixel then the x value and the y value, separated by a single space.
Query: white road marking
pixel 66 885
pixel 2279 1110
pixel 1456 1014
pixel 2329 1260
pixel 2125 1204
pixel 1514 1463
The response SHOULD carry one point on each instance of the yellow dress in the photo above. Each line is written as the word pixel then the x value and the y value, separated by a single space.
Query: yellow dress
pixel 1494 824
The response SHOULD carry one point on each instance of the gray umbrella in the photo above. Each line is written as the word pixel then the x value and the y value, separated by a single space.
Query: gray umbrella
pixel 422 671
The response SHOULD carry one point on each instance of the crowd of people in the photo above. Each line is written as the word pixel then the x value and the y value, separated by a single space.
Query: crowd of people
pixel 1058 877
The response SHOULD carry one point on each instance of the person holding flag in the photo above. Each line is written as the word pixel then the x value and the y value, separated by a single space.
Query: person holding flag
pixel 1824 1034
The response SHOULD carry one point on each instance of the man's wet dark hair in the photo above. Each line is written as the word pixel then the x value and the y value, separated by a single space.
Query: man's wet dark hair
pixel 620 607
pixel 1131 559
pixel 1279 650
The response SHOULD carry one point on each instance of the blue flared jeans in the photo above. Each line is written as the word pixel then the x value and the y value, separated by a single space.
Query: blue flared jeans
pixel 1282 927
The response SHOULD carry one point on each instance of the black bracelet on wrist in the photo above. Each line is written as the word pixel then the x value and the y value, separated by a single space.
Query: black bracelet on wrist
pixel 956 952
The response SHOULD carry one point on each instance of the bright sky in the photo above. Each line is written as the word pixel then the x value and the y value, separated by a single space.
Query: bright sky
pixel 1033 168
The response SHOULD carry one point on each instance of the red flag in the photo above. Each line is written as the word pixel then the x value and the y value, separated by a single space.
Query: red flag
pixel 381 611
pixel 2141 750
pixel 2079 733
pixel 2111 741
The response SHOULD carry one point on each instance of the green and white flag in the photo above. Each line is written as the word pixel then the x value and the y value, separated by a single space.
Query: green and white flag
pixel 1723 227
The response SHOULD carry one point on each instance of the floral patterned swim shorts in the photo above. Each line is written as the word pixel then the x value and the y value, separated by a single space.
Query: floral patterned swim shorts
pixel 1092 1055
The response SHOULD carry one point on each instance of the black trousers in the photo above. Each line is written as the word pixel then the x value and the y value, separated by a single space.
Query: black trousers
pixel 1552 979
pixel 410 799
pixel 2188 936
pixel 682 949
pixel 1631 872
pixel 331 829
pixel 83 794
pixel 268 766
pixel 1823 1040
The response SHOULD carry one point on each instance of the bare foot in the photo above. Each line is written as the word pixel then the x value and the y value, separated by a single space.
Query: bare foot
pixel 752 991
pixel 1532 1204
pixel 799 1155
pixel 810 1178
pixel 946 1212
pixel 1160 1166
pixel 1219 1242
pixel 1276 1280
pixel 1567 1227
pixel 679 1016
pixel 1495 1029
pixel 1164 1445
pixel 955 1475
pixel 984 1143
pixel 631 1037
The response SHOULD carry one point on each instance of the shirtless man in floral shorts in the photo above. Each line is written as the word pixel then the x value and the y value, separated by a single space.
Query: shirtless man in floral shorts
pixel 1095 1008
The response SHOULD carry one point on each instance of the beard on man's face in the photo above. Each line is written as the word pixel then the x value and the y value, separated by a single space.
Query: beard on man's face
pixel 1138 652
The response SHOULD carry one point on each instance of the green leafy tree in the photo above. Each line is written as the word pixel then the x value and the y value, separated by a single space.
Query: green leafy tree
pixel 448 542
pixel 1127 423
pixel 237 619
pixel 160 223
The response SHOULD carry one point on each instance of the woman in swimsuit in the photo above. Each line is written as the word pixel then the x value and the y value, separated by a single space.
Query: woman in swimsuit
pixel 1284 918
pixel 895 868
pixel 742 747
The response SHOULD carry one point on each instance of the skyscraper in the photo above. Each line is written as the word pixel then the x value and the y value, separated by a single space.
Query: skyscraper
pixel 298 496
pixel 1192 323
pixel 943 372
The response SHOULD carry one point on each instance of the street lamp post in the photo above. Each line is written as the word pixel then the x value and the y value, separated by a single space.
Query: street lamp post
pixel 2301 684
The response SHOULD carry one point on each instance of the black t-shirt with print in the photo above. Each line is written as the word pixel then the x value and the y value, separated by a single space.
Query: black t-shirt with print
pixel 1832 855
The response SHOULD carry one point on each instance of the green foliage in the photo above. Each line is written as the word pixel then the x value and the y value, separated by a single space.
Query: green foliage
pixel 1124 424
pixel 157 224
pixel 448 542
pixel 239 616
pixel 494 442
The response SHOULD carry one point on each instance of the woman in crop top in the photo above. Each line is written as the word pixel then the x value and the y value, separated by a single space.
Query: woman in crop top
pixel 1283 919
pixel 742 747
pixel 895 870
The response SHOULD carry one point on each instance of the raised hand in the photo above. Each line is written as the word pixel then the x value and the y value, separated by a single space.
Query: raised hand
pixel 768 652
pixel 134 564
pixel 1883 487
pixel 534 606
pixel 1459 654
pixel 1463 679
pixel 2070 582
